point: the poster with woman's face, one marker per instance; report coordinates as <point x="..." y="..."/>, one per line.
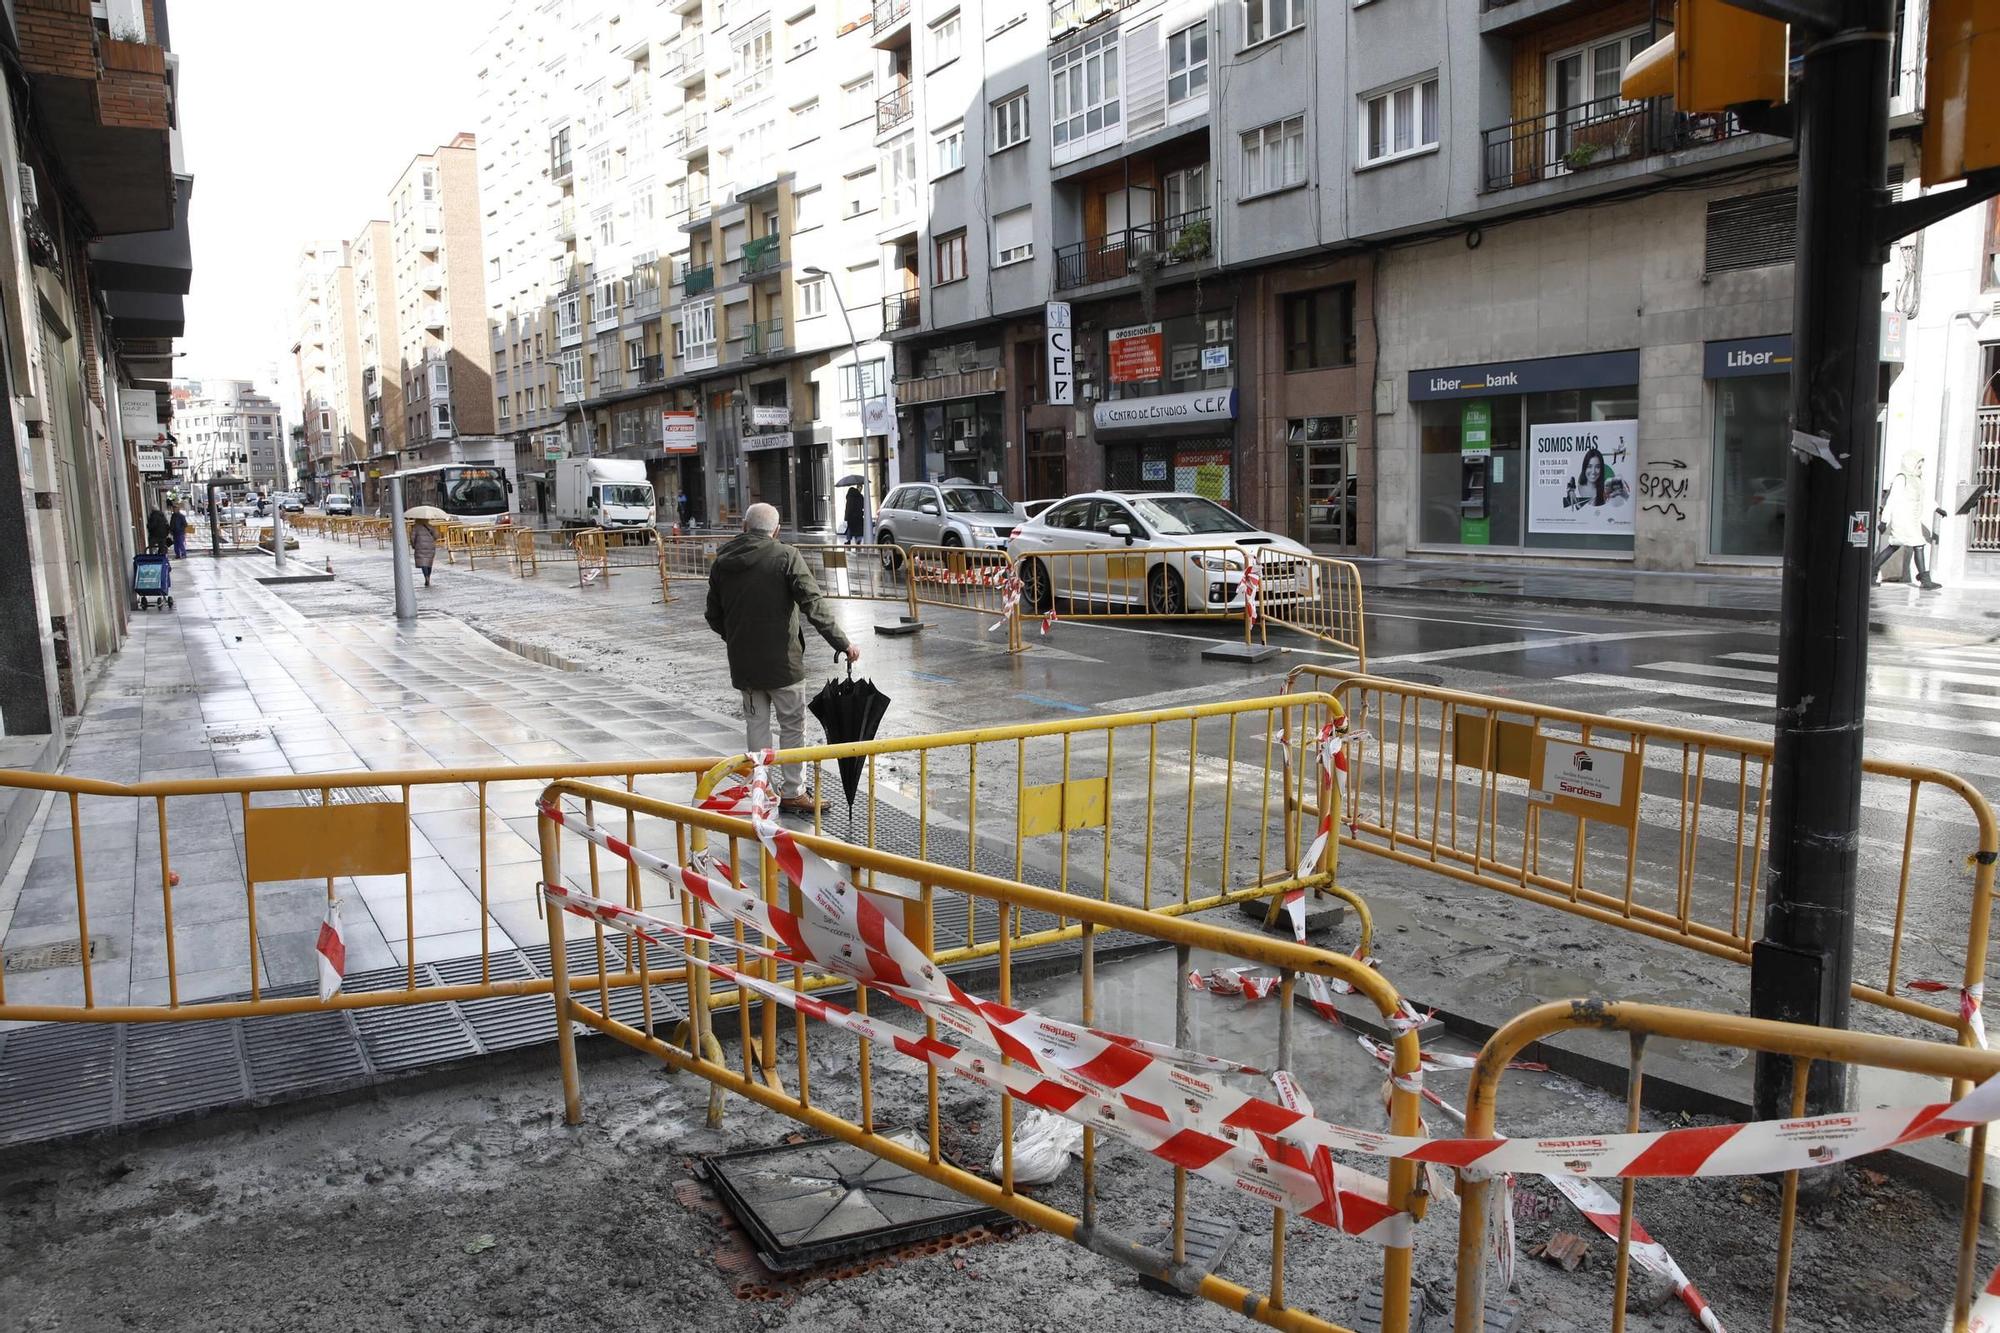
<point x="1580" y="476"/>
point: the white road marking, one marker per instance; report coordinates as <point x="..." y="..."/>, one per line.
<point x="1529" y="645"/>
<point x="1713" y="672"/>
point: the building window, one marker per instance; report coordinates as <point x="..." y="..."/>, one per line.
<point x="695" y="335"/>
<point x="899" y="176"/>
<point x="1319" y="328"/>
<point x="1184" y="191"/>
<point x="441" y="418"/>
<point x="856" y="380"/>
<point x="570" y="364"/>
<point x="569" y="313"/>
<point x="1014" y="236"/>
<point x="1010" y="121"/>
<point x="1751" y="445"/>
<point x="1084" y="88"/>
<point x="805" y="210"/>
<point x="804" y="116"/>
<point x="862" y="194"/>
<point x="949" y="252"/>
<point x="1274" y="157"/>
<point x="1399" y="122"/>
<point x="944" y="39"/>
<point x="812" y="297"/>
<point x="1989" y="268"/>
<point x="857" y="100"/>
<point x="799" y="34"/>
<point x="753" y="63"/>
<point x="1187" y="63"/>
<point x="606" y="227"/>
<point x="635" y="354"/>
<point x="1271" y="18"/>
<point x="950" y="149"/>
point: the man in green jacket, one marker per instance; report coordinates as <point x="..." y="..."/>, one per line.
<point x="756" y="590"/>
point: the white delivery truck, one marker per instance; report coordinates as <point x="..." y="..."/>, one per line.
<point x="603" y="493"/>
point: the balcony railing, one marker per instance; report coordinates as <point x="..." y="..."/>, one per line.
<point x="1588" y="135"/>
<point x="1069" y="15"/>
<point x="1180" y="239"/>
<point x="697" y="131"/>
<point x="765" y="338"/>
<point x="901" y="311"/>
<point x="893" y="109"/>
<point x="760" y="256"/>
<point x="698" y="280"/>
<point x="888" y="13"/>
<point x="652" y="369"/>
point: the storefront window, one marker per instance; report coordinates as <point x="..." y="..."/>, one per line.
<point x="1196" y="466"/>
<point x="1747" y="514"/>
<point x="1180" y="355"/>
<point x="1501" y="472"/>
<point x="962" y="439"/>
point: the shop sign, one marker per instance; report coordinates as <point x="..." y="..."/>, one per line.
<point x="1215" y="358"/>
<point x="1171" y="409"/>
<point x="771" y="416"/>
<point x="678" y="433"/>
<point x="551" y="452"/>
<point x="1061" y="354"/>
<point x="1206" y="474"/>
<point x="1576" y="476"/>
<point x="1732" y="358"/>
<point x="755" y="443"/>
<point x="139" y="415"/>
<point x="152" y="462"/>
<point x="878" y="416"/>
<point x="1153" y="469"/>
<point x="1894" y="325"/>
<point x="1588" y="781"/>
<point x="1595" y="370"/>
<point x="1136" y="353"/>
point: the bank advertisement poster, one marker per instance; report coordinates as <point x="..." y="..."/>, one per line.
<point x="1579" y="476"/>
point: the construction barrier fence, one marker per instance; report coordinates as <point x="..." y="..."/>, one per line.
<point x="1659" y="830"/>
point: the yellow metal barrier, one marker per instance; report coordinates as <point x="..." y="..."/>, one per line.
<point x="1312" y="595"/>
<point x="1803" y="1044"/>
<point x="1208" y="812"/>
<point x="961" y="579"/>
<point x="907" y="891"/>
<point x="1658" y="830"/>
<point x="304" y="838"/>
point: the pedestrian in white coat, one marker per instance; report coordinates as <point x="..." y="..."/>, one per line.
<point x="1906" y="520"/>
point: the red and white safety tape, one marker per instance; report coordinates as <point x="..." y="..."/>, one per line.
<point x="1971" y="1002"/>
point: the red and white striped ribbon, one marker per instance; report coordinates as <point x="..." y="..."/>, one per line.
<point x="1971" y="1003"/>
<point x="1253" y="584"/>
<point x="330" y="952"/>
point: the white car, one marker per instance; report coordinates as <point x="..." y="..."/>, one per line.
<point x="1157" y="526"/>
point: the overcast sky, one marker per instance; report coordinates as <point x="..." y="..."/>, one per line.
<point x="296" y="119"/>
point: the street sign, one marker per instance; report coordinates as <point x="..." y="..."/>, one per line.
<point x="152" y="462"/>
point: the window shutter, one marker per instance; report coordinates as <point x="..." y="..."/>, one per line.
<point x="1752" y="230"/>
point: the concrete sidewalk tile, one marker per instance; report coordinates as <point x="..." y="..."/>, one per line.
<point x="199" y="860"/>
<point x="209" y="984"/>
<point x="108" y="907"/>
<point x="457" y="944"/>
<point x="430" y="913"/>
<point x="427" y="875"/>
<point x="514" y="883"/>
<point x="198" y="947"/>
<point x="433" y="797"/>
<point x="457" y="824"/>
<point x="207" y="902"/>
<point x="528" y="928"/>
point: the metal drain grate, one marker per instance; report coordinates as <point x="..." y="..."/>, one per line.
<point x="63" y="953"/>
<point x="155" y="691"/>
<point x="238" y="736"/>
<point x="348" y="796"/>
<point x="806" y="1203"/>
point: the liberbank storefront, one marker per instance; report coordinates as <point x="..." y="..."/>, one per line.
<point x="1530" y="457"/>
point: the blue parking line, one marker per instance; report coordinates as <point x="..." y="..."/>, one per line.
<point x="1063" y="704"/>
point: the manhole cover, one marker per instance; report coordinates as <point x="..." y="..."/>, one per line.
<point x="63" y="953"/>
<point x="807" y="1203"/>
<point x="239" y="736"/>
<point x="348" y="796"/>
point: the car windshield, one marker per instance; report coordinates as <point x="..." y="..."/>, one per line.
<point x="1181" y="515"/>
<point x="628" y="495"/>
<point x="475" y="491"/>
<point x="976" y="500"/>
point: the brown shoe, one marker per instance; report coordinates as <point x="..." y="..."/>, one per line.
<point x="800" y="805"/>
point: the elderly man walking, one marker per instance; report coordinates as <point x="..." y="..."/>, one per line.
<point x="757" y="590"/>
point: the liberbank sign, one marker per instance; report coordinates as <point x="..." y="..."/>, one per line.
<point x="1594" y="370"/>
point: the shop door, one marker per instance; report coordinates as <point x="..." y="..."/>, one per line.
<point x="1047" y="477"/>
<point x="767" y="481"/>
<point x="1323" y="495"/>
<point x="812" y="483"/>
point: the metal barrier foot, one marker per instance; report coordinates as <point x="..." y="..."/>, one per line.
<point x="1321" y="917"/>
<point x="1207" y="1240"/>
<point x="904" y="625"/>
<point x="1431" y="1313"/>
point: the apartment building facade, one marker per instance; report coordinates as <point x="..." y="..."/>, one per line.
<point x="1401" y="278"/>
<point x="436" y="255"/>
<point x="324" y="298"/>
<point x="227" y="428"/>
<point x="92" y="285"/>
<point x="685" y="249"/>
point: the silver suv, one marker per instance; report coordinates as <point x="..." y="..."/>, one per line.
<point x="951" y="513"/>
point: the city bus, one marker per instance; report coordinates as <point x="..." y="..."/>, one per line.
<point x="468" y="492"/>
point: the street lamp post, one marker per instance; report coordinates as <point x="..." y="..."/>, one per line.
<point x="860" y="386"/>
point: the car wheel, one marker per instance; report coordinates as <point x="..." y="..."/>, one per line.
<point x="1037" y="594"/>
<point x="951" y="538"/>
<point x="1164" y="596"/>
<point x="892" y="554"/>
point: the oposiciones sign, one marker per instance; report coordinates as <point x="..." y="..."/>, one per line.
<point x="1166" y="410"/>
<point x="1579" y="477"/>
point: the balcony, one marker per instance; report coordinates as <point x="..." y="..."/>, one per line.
<point x="431" y="278"/>
<point x="761" y="257"/>
<point x="890" y="15"/>
<point x="1591" y="135"/>
<point x="566" y="223"/>
<point x="686" y="61"/>
<point x="697" y="133"/>
<point x="1066" y="16"/>
<point x="433" y="315"/>
<point x="1181" y="239"/>
<point x="901" y="311"/>
<point x="609" y="380"/>
<point x="765" y="339"/>
<point x="893" y="109"/>
<point x="561" y="168"/>
<point x="102" y="106"/>
<point x="652" y="369"/>
<point x="698" y="280"/>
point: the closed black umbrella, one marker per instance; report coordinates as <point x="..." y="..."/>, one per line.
<point x="849" y="710"/>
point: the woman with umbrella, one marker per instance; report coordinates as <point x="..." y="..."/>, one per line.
<point x="423" y="538"/>
<point x="856" y="519"/>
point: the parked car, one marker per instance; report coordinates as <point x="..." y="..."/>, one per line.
<point x="337" y="504"/>
<point x="291" y="502"/>
<point x="1158" y="525"/>
<point x="950" y="513"/>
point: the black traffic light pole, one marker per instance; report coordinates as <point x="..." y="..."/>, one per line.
<point x="1801" y="969"/>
